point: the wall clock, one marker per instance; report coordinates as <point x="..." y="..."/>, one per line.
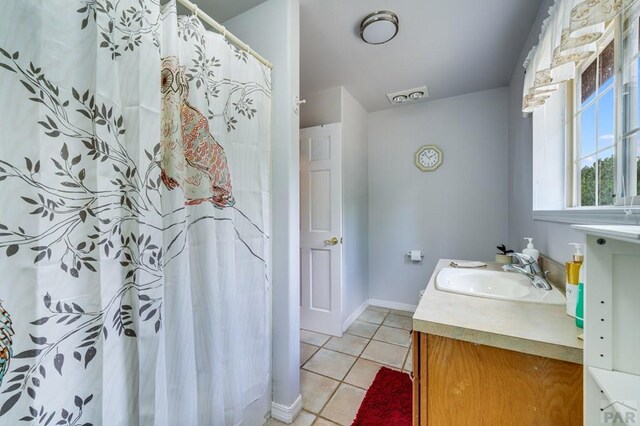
<point x="428" y="158"/>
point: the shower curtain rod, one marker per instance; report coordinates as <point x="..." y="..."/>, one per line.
<point x="222" y="30"/>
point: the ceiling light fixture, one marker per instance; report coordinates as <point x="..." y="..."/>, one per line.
<point x="379" y="27"/>
<point x="416" y="94"/>
<point x="400" y="99"/>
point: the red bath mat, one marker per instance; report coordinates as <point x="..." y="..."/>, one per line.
<point x="388" y="401"/>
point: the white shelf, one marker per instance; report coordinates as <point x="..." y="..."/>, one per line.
<point x="629" y="233"/>
<point x="617" y="386"/>
<point x="612" y="335"/>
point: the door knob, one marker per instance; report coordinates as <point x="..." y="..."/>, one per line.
<point x="331" y="242"/>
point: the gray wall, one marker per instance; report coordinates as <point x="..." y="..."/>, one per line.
<point x="272" y="29"/>
<point x="550" y="238"/>
<point x="323" y="107"/>
<point x="355" y="205"/>
<point x="458" y="211"/>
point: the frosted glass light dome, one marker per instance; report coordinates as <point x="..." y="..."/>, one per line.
<point x="379" y="27"/>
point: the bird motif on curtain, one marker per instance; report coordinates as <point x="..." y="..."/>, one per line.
<point x="191" y="157"/>
<point x="6" y="334"/>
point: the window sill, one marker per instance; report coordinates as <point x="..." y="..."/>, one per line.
<point x="590" y="216"/>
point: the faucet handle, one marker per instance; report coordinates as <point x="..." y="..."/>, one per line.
<point x="529" y="263"/>
<point x="524" y="259"/>
<point x="515" y="268"/>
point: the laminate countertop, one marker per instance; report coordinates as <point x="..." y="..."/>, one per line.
<point x="533" y="328"/>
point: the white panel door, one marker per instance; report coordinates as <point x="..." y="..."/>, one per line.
<point x="321" y="229"/>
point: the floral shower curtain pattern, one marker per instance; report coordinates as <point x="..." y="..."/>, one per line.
<point x="133" y="248"/>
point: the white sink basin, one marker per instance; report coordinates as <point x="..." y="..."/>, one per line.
<point x="495" y="285"/>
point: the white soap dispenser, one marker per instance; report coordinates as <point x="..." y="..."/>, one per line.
<point x="531" y="250"/>
<point x="578" y="256"/>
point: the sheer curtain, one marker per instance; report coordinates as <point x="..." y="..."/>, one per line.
<point x="568" y="36"/>
<point x="133" y="229"/>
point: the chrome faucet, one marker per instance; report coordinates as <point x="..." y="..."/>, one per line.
<point x="528" y="266"/>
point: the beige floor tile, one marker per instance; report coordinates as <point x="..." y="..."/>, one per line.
<point x="402" y="313"/>
<point x="316" y="390"/>
<point x="324" y="422"/>
<point x="348" y="344"/>
<point x="377" y="308"/>
<point x="385" y="353"/>
<point x="344" y="404"/>
<point x="306" y="352"/>
<point x="330" y="363"/>
<point x="375" y="317"/>
<point x="399" y="321"/>
<point x="313" y="338"/>
<point x="362" y="373"/>
<point x="303" y="419"/>
<point x="396" y="336"/>
<point x="408" y="364"/>
<point x="362" y="329"/>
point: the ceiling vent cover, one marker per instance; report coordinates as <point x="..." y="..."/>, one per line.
<point x="409" y="95"/>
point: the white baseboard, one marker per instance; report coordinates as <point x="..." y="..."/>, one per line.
<point x="354" y="316"/>
<point x="286" y="414"/>
<point x="375" y="302"/>
<point x="393" y="305"/>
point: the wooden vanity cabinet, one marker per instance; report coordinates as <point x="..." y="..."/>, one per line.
<point x="461" y="383"/>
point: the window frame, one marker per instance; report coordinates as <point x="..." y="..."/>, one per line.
<point x="628" y="161"/>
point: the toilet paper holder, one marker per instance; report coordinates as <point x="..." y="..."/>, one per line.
<point x="408" y="254"/>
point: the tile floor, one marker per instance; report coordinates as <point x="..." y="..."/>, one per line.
<point x="335" y="372"/>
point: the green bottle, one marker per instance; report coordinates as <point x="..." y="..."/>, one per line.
<point x="580" y="306"/>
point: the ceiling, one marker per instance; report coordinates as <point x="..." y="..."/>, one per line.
<point x="222" y="10"/>
<point x="453" y="47"/>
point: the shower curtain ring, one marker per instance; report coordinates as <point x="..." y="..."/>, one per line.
<point x="195" y="10"/>
<point x="224" y="32"/>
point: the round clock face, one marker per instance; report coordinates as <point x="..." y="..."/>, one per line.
<point x="428" y="158"/>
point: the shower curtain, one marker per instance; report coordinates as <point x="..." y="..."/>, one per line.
<point x="134" y="252"/>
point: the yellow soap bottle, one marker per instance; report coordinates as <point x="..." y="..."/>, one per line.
<point x="573" y="279"/>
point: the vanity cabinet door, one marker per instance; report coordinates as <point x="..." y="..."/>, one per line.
<point x="462" y="383"/>
<point x="419" y="374"/>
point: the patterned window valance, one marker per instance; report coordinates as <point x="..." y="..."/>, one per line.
<point x="568" y="35"/>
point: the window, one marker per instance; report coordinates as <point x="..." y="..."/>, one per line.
<point x="586" y="132"/>
<point x="630" y="145"/>
<point x="606" y="120"/>
<point x="594" y="138"/>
